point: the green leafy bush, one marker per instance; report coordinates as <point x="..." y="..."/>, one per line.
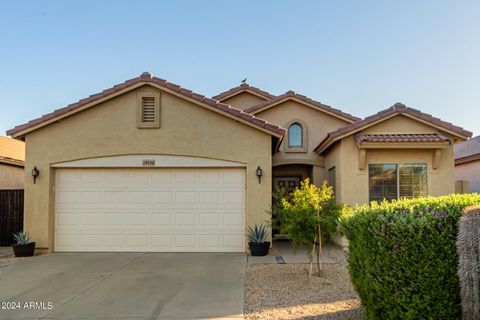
<point x="403" y="259"/>
<point x="308" y="216"/>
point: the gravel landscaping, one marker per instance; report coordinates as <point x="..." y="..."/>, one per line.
<point x="285" y="291"/>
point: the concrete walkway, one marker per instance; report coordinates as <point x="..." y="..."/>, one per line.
<point x="282" y="252"/>
<point x="6" y="251"/>
<point x="125" y="286"/>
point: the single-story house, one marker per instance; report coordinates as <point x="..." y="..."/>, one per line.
<point x="467" y="165"/>
<point x="12" y="161"/>
<point x="150" y="166"/>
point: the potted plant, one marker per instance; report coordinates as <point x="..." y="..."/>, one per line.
<point x="23" y="247"/>
<point x="257" y="237"/>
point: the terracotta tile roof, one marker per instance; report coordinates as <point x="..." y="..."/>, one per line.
<point x="398" y="108"/>
<point x="292" y="95"/>
<point x="241" y="88"/>
<point x="149" y="78"/>
<point x="12" y="150"/>
<point x="467" y="159"/>
<point x="400" y="138"/>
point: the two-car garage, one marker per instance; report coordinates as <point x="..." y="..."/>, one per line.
<point x="150" y="209"/>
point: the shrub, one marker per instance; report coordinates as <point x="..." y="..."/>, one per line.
<point x="468" y="248"/>
<point x="403" y="259"/>
<point x="309" y="216"/>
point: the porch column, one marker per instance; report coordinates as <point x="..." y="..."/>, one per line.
<point x="318" y="175"/>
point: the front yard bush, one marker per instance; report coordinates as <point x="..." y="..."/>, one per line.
<point x="403" y="259"/>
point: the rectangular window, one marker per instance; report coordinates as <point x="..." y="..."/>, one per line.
<point x="413" y="180"/>
<point x="393" y="181"/>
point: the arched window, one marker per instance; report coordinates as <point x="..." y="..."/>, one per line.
<point x="295" y="135"/>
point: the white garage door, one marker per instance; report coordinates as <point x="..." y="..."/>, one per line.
<point x="177" y="210"/>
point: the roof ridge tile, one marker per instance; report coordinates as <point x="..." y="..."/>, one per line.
<point x="243" y="87"/>
<point x="305" y="99"/>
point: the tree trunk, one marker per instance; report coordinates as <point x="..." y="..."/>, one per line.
<point x="311" y="257"/>
<point x="319" y="245"/>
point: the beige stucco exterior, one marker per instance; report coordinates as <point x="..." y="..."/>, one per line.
<point x="244" y="100"/>
<point x="110" y="129"/>
<point x="11" y="176"/>
<point x="470" y="172"/>
<point x="315" y="123"/>
<point x="352" y="182"/>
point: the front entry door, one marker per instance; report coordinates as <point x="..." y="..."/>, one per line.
<point x="287" y="183"/>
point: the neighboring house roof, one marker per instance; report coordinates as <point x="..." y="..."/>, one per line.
<point x="244" y="87"/>
<point x="291" y="95"/>
<point x="383" y="115"/>
<point x="12" y="151"/>
<point x="467" y="151"/>
<point x="147" y="78"/>
<point x="467" y="159"/>
<point x="402" y="138"/>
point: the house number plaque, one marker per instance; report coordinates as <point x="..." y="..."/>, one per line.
<point x="149" y="163"/>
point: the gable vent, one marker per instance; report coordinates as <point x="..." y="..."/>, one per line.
<point x="148" y="109"/>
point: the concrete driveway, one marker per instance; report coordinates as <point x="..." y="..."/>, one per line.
<point x="124" y="286"/>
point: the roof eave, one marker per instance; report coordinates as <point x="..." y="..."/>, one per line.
<point x="467" y="159"/>
<point x="129" y="85"/>
<point x="12" y="162"/>
<point x="281" y="99"/>
<point x="234" y="94"/>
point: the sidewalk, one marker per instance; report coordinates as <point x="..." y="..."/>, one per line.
<point x="5" y="252"/>
<point x="283" y="253"/>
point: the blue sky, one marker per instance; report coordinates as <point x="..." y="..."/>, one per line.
<point x="359" y="56"/>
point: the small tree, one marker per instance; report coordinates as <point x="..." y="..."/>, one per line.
<point x="310" y="214"/>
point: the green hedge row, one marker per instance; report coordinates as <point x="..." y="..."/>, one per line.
<point x="403" y="259"/>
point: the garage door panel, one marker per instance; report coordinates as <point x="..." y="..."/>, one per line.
<point x="165" y="197"/>
<point x="184" y="219"/>
<point x="113" y="240"/>
<point x="233" y="197"/>
<point x="162" y="219"/>
<point x="210" y="219"/>
<point x="185" y="197"/>
<point x="114" y="197"/>
<point x="233" y="240"/>
<point x="150" y="210"/>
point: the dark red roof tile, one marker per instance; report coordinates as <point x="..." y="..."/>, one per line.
<point x="305" y="99"/>
<point x="148" y="78"/>
<point x="401" y="138"/>
<point x="241" y="88"/>
<point x="397" y="108"/>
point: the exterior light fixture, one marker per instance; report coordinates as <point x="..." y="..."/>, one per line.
<point x="259" y="174"/>
<point x="35" y="174"/>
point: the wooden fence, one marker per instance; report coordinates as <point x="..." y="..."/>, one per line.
<point x="11" y="215"/>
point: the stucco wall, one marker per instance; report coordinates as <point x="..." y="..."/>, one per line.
<point x="352" y="183"/>
<point x="333" y="159"/>
<point x="110" y="129"/>
<point x="11" y="177"/>
<point x="317" y="124"/>
<point x="243" y="100"/>
<point x="471" y="172"/>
